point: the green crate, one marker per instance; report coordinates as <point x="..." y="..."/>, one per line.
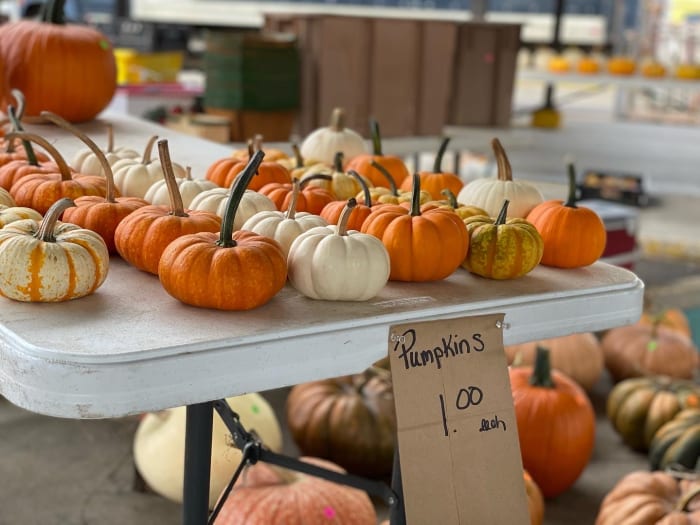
<point x="251" y="70"/>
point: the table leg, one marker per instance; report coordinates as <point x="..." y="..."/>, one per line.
<point x="398" y="513"/>
<point x="198" y="430"/>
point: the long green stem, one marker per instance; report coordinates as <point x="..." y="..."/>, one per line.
<point x="53" y="12"/>
<point x="542" y="371"/>
<point x="503" y="214"/>
<point x="338" y="162"/>
<point x="437" y="166"/>
<point x="376" y="137"/>
<point x="237" y="192"/>
<point x="365" y="189"/>
<point x="60" y="162"/>
<point x="571" y="199"/>
<point x="385" y="173"/>
<point x="415" y="197"/>
<point x="17" y="126"/>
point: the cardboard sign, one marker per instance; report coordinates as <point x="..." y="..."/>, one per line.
<point x="457" y="433"/>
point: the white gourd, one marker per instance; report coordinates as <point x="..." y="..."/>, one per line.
<point x="133" y="177"/>
<point x="215" y="200"/>
<point x="334" y="264"/>
<point x="85" y="161"/>
<point x="159" y="445"/>
<point x="489" y="193"/>
<point x="10" y="214"/>
<point x="323" y="143"/>
<point x="284" y="226"/>
<point x="189" y="189"/>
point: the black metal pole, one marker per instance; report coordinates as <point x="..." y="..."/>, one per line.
<point x="198" y="430"/>
<point x="397" y="515"/>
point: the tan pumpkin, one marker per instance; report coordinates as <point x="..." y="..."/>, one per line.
<point x="489" y="193"/>
<point x="638" y="350"/>
<point x="579" y="356"/>
<point x="215" y="201"/>
<point x="49" y="261"/>
<point x="349" y="420"/>
<point x="159" y="445"/>
<point x="654" y="498"/>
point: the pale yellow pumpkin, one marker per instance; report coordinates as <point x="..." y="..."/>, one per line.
<point x="323" y="143"/>
<point x="215" y="201"/>
<point x="159" y="445"/>
<point x="49" y="261"/>
<point x="10" y="214"/>
<point x="5" y="198"/>
<point x="189" y="189"/>
<point x="343" y="185"/>
<point x="489" y="193"/>
<point x="334" y="264"/>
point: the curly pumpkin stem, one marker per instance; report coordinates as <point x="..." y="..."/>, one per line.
<point x="176" y="207"/>
<point x="376" y="137"/>
<point x="684" y="501"/>
<point x="505" y="172"/>
<point x="503" y="214"/>
<point x="314" y="176"/>
<point x="338" y="161"/>
<point x="47" y="226"/>
<point x="337" y="119"/>
<point x="437" y="166"/>
<point x="239" y="187"/>
<point x="17" y="126"/>
<point x="292" y="209"/>
<point x="53" y="12"/>
<point x="415" y="196"/>
<point x="148" y="150"/>
<point x="345" y="217"/>
<point x="60" y="162"/>
<point x="64" y="124"/>
<point x="385" y="173"/>
<point x="451" y="198"/>
<point x="571" y="199"/>
<point x="542" y="370"/>
<point x="365" y="189"/>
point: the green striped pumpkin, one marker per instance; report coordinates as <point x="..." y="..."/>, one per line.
<point x="677" y="443"/>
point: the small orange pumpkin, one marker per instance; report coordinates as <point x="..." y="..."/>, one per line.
<point x="423" y="245"/>
<point x="223" y="172"/>
<point x="573" y="236"/>
<point x="333" y="210"/>
<point x="434" y="182"/>
<point x="311" y="199"/>
<point x="227" y="271"/>
<point x="621" y="65"/>
<point x="588" y="65"/>
<point x="362" y="164"/>
<point x="142" y="236"/>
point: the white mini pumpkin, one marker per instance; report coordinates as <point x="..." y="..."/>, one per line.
<point x="85" y="161"/>
<point x="323" y="143"/>
<point x="5" y="198"/>
<point x="189" y="189"/>
<point x="133" y="177"/>
<point x="284" y="226"/>
<point x="334" y="264"/>
<point x="159" y="445"/>
<point x="215" y="201"/>
<point x="10" y="214"/>
<point x="489" y="193"/>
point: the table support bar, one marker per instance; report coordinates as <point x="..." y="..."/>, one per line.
<point x="198" y="432"/>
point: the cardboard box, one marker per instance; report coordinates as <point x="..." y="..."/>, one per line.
<point x="397" y="71"/>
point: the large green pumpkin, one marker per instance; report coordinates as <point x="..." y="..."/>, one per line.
<point x="677" y="443"/>
<point x="638" y="407"/>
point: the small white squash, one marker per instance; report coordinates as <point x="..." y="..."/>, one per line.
<point x="323" y="143"/>
<point x="334" y="264"/>
<point x="189" y="189"/>
<point x="343" y="185"/>
<point x="159" y="445"/>
<point x="5" y="198"/>
<point x="133" y="177"/>
<point x="85" y="161"/>
<point x="284" y="226"/>
<point x="10" y="214"/>
<point x="216" y="199"/>
<point x="489" y="193"/>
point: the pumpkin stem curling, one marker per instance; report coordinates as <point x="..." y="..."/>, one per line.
<point x="503" y="214"/>
<point x="684" y="501"/>
<point x="315" y="176"/>
<point x="505" y="172"/>
<point x="176" y="206"/>
<point x="437" y="166"/>
<point x="239" y="187"/>
<point x="542" y="370"/>
<point x="385" y="173"/>
<point x="106" y="168"/>
<point x="365" y="189"/>
<point x="376" y="137"/>
<point x="338" y="161"/>
<point x="292" y="208"/>
<point x="451" y="198"/>
<point x="345" y="216"/>
<point x="337" y="119"/>
<point x="17" y="126"/>
<point x="21" y="102"/>
<point x="571" y="199"/>
<point x="147" y="151"/>
<point x="415" y="197"/>
<point x="60" y="162"/>
<point x="47" y="225"/>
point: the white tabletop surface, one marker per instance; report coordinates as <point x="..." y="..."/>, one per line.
<point x="130" y="347"/>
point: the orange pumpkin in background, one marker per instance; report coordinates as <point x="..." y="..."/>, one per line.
<point x="66" y="68"/>
<point x="224" y="172"/>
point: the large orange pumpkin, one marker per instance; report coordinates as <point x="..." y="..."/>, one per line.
<point x="434" y="182"/>
<point x="362" y="163"/>
<point x="556" y="424"/>
<point x="266" y="495"/>
<point x="573" y="235"/>
<point x="423" y="245"/>
<point x="65" y="68"/>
